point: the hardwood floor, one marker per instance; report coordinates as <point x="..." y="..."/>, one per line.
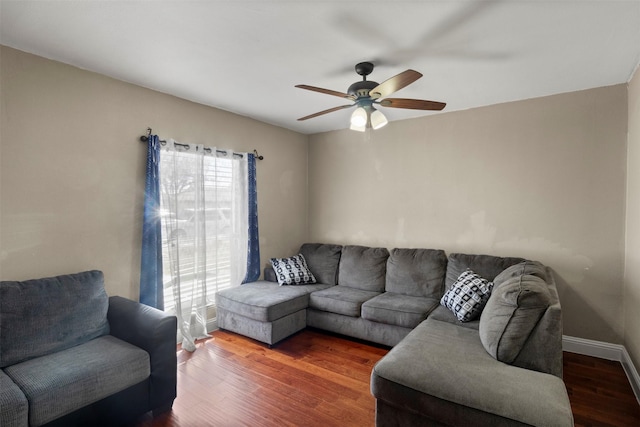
<point x="599" y="392"/>
<point x="319" y="379"/>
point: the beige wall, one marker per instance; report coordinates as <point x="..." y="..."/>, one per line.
<point x="632" y="266"/>
<point x="542" y="179"/>
<point x="72" y="170"/>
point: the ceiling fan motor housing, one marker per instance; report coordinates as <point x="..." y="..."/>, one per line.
<point x="361" y="89"/>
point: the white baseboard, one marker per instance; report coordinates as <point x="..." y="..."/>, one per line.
<point x="599" y="349"/>
<point x="632" y="373"/>
<point x="606" y="351"/>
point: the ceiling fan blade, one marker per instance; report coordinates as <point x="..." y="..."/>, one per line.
<point x="326" y="91"/>
<point x="413" y="104"/>
<point x="394" y="84"/>
<point x="330" y="110"/>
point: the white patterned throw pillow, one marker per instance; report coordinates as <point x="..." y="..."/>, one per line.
<point x="467" y="296"/>
<point x="292" y="271"/>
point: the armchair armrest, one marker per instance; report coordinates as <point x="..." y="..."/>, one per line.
<point x="155" y="332"/>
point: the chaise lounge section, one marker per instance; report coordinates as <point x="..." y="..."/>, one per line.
<point x="269" y="313"/>
<point x="503" y="367"/>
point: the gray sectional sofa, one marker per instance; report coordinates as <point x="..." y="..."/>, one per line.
<point x="502" y="368"/>
<point x="70" y="355"/>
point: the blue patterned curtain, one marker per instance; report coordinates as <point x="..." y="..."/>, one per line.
<point x="151" y="291"/>
<point x="253" y="257"/>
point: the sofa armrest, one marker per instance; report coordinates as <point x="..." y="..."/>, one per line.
<point x="155" y="332"/>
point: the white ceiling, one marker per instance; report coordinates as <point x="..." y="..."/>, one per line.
<point x="246" y="56"/>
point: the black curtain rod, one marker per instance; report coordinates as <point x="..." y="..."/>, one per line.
<point x="145" y="138"/>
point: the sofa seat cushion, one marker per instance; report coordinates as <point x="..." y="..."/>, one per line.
<point x="14" y="407"/>
<point x="398" y="309"/>
<point x="60" y="383"/>
<point x="416" y="272"/>
<point x="43" y="316"/>
<point x="341" y="300"/>
<point x="443" y="314"/>
<point x="444" y="372"/>
<point x="266" y="301"/>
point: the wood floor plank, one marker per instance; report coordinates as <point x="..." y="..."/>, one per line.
<point x="599" y="392"/>
<point x="319" y="379"/>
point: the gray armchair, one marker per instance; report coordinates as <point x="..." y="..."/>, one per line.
<point x="70" y="355"/>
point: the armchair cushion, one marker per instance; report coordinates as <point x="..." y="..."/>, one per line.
<point x="60" y="383"/>
<point x="42" y="316"/>
<point x="14" y="406"/>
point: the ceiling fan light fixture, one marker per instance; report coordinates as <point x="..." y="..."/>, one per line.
<point x="359" y="118"/>
<point x="378" y="119"/>
<point x="358" y="128"/>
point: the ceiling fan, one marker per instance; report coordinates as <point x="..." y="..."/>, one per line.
<point x="368" y="93"/>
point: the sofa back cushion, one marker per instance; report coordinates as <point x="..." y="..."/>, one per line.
<point x="42" y="316"/>
<point x="363" y="268"/>
<point x="511" y="314"/>
<point x="416" y="272"/>
<point x="322" y="259"/>
<point x="533" y="268"/>
<point x="486" y="266"/>
<point x="543" y="349"/>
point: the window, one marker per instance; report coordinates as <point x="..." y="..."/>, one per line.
<point x="202" y="223"/>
